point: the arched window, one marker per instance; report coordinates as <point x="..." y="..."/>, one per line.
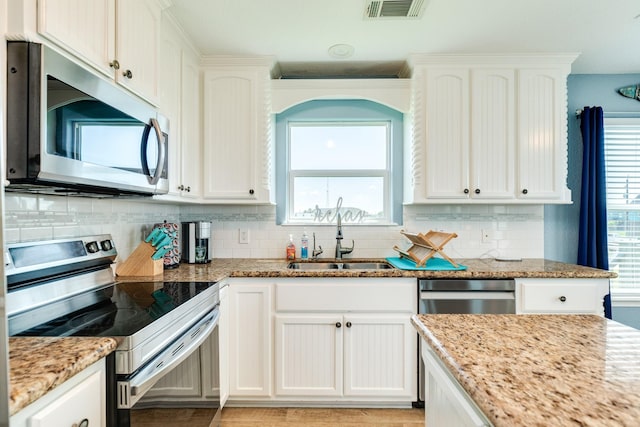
<point x="339" y="156"/>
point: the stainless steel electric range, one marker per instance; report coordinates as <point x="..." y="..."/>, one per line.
<point x="67" y="287"/>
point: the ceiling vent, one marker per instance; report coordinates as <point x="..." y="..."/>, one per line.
<point x="379" y="9"/>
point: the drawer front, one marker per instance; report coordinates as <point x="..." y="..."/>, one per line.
<point x="560" y="298"/>
<point x="342" y="294"/>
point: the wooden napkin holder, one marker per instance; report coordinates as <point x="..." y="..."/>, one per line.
<point x="140" y="263"/>
<point x="426" y="246"/>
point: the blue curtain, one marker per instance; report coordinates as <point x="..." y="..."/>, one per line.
<point x="592" y="244"/>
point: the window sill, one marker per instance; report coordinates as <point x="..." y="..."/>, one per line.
<point x="625" y="299"/>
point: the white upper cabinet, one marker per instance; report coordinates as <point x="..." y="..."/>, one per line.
<point x="488" y="129"/>
<point x="238" y="142"/>
<point x="119" y="38"/>
<point x="542" y="135"/>
<point x="180" y="101"/>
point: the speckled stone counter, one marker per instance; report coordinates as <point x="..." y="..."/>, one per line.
<point x="38" y="365"/>
<point x="486" y="268"/>
<point x="539" y="370"/>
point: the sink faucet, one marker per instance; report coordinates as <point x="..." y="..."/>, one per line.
<point x="339" y="249"/>
<point x="314" y="252"/>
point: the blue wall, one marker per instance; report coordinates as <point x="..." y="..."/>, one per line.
<point x="561" y="221"/>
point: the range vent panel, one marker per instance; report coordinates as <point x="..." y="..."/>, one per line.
<point x="394" y="9"/>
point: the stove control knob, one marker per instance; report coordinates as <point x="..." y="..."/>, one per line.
<point x="92" y="247"/>
<point x="106" y="245"/>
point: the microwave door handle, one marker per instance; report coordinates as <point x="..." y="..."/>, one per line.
<point x="162" y="154"/>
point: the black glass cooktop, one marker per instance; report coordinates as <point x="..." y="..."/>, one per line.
<point x="118" y="310"/>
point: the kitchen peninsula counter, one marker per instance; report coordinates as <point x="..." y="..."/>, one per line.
<point x="542" y="370"/>
<point x="38" y="365"/>
<point x="477" y="268"/>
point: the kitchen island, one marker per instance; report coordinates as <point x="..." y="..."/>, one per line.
<point x="536" y="370"/>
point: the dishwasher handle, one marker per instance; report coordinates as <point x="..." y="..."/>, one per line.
<point x="471" y="295"/>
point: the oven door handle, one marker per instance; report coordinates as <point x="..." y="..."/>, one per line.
<point x="132" y="389"/>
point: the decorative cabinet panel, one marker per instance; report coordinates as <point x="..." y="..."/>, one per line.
<point x="119" y="38"/>
<point x="237" y="135"/>
<point x="250" y="339"/>
<point x="488" y="130"/>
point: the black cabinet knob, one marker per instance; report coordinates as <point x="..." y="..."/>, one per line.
<point x="348" y="324"/>
<point x="466" y="191"/>
<point x="562" y="298"/>
<point x="338" y="325"/>
<point x="525" y="191"/>
<point x="251" y="191"/>
<point x="128" y="74"/>
<point x="477" y="191"/>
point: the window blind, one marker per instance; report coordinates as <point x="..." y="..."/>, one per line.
<point x="622" y="158"/>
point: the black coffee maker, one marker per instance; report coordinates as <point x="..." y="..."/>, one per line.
<point x="196" y="242"/>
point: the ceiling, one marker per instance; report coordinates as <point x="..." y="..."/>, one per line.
<point x="298" y="33"/>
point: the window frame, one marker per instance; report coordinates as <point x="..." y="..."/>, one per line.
<point x="339" y="111"/>
<point x="620" y="293"/>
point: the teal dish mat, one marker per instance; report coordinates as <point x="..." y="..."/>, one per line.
<point x="433" y="264"/>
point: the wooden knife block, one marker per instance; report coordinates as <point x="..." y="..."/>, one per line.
<point x="140" y="263"/>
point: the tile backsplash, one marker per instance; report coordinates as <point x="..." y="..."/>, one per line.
<point x="483" y="230"/>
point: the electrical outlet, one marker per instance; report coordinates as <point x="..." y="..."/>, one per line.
<point x="488" y="236"/>
<point x="243" y="236"/>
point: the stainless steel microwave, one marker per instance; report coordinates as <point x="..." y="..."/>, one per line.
<point x="72" y="131"/>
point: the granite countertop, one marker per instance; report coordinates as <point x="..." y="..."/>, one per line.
<point x="485" y="268"/>
<point x="541" y="370"/>
<point x="38" y="365"/>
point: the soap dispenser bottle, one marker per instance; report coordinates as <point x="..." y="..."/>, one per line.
<point x="291" y="249"/>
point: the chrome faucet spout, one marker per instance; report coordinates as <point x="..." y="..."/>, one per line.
<point x="339" y="249"/>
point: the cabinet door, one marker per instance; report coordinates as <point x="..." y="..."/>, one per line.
<point x="191" y="143"/>
<point x="309" y="355"/>
<point x="137" y="46"/>
<point x="230" y="119"/>
<point x="84" y="28"/>
<point x="447" y="133"/>
<point x="170" y="75"/>
<point x="250" y="340"/>
<point x="542" y="134"/>
<point x="380" y="356"/>
<point x="492" y="133"/>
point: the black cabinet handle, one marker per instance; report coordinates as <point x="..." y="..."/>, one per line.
<point x="348" y="324"/>
<point x="525" y="191"/>
<point x="128" y="74"/>
<point x="477" y="191"/>
<point x="562" y="298"/>
<point x="251" y="191"/>
<point x="466" y="191"/>
<point x="338" y="325"/>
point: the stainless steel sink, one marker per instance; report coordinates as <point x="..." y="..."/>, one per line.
<point x="313" y="266"/>
<point x="339" y="266"/>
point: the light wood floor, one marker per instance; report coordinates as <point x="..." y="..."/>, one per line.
<point x="281" y="417"/>
<point x="321" y="417"/>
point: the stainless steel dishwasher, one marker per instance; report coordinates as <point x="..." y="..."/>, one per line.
<point x="463" y="296"/>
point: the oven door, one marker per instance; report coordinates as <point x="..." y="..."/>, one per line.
<point x="179" y="386"/>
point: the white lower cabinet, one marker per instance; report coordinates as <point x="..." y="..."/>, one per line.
<point x="82" y="397"/>
<point x="446" y="402"/>
<point x="315" y="340"/>
<point x="561" y="296"/>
